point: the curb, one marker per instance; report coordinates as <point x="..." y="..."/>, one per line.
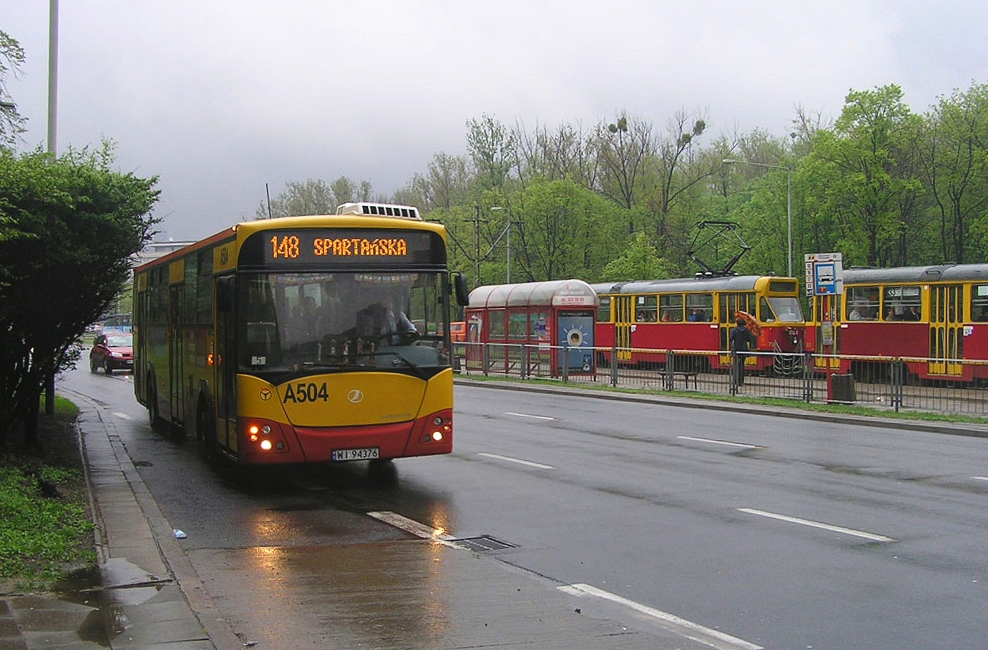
<point x="958" y="429"/>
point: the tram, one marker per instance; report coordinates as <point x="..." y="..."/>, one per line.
<point x="934" y="317"/>
<point x="697" y="314"/>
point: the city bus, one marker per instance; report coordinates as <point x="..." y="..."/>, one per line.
<point x="697" y="314"/>
<point x="267" y="341"/>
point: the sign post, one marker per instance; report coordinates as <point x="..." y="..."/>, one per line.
<point x="825" y="279"/>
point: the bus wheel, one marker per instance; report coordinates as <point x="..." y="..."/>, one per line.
<point x="154" y="420"/>
<point x="381" y="471"/>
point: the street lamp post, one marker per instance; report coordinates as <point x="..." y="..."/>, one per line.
<point x="788" y="170"/>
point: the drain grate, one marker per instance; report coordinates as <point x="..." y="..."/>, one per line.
<point x="483" y="544"/>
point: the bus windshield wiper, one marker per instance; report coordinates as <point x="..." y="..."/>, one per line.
<point x="408" y="364"/>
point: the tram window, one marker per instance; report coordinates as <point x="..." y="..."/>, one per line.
<point x="516" y="325"/>
<point x="862" y="303"/>
<point x="700" y="307"/>
<point x="979" y="303"/>
<point x="604" y="310"/>
<point x="765" y="314"/>
<point x="645" y="309"/>
<point x="671" y="308"/>
<point x="901" y="303"/>
<point x="496" y="331"/>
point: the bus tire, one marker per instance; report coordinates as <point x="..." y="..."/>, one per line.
<point x="154" y="419"/>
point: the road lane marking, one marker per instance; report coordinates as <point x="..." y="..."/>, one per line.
<point x="816" y="524"/>
<point x="122" y="416"/>
<point x="526" y="415"/>
<point x="980" y="478"/>
<point x="718" y="442"/>
<point x="414" y="527"/>
<point x="681" y="626"/>
<point x="516" y="460"/>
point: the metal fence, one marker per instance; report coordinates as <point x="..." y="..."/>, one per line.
<point x="878" y="382"/>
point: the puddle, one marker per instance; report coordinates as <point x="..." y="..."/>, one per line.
<point x="82" y="587"/>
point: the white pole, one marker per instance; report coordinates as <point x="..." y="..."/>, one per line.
<point x="52" y="73"/>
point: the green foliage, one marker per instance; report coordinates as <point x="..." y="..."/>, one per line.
<point x="44" y="527"/>
<point x="638" y="262"/>
<point x="71" y="226"/>
<point x="24" y="549"/>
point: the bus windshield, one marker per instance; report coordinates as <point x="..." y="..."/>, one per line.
<point x="324" y="321"/>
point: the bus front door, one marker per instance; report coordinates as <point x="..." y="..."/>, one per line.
<point x="946" y="330"/>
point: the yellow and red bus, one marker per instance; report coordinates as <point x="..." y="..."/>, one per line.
<point x="265" y="341"/>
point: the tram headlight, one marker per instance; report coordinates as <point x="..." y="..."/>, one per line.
<point x="266" y="445"/>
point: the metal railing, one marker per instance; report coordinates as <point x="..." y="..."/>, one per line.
<point x="878" y="382"/>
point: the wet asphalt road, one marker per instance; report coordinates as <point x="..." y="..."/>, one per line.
<point x="785" y="533"/>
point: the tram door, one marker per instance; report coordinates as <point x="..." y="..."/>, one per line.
<point x="727" y="304"/>
<point x="946" y="330"/>
<point x="623" y="318"/>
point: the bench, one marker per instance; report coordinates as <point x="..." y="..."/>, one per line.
<point x="686" y="376"/>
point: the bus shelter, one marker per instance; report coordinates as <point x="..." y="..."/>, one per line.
<point x="529" y="325"/>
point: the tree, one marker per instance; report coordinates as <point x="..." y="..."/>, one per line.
<point x="491" y="147"/>
<point x="860" y="174"/>
<point x="563" y="232"/>
<point x="11" y="59"/>
<point x="70" y="226"/>
<point x="314" y="197"/>
<point x="955" y="164"/>
<point x="639" y="261"/>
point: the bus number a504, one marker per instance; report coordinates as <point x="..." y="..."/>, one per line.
<point x="302" y="392"/>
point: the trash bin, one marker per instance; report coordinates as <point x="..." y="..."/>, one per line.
<point x="842" y="388"/>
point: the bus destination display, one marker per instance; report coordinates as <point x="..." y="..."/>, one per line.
<point x="317" y="247"/>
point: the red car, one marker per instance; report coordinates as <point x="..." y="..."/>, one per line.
<point x="112" y="351"/>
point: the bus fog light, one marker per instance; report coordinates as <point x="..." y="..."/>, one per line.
<point x="437" y="435"/>
<point x="266" y="445"/>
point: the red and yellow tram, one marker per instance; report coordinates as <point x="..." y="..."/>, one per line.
<point x="696" y="314"/>
<point x="935" y="317"/>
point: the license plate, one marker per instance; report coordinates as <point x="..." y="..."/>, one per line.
<point x="366" y="453"/>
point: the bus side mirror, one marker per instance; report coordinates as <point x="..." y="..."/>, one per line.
<point x="224" y="293"/>
<point x="462" y="292"/>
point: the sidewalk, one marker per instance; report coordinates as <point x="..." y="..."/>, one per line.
<point x="146" y="601"/>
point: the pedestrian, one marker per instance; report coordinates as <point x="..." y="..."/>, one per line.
<point x="740" y="345"/>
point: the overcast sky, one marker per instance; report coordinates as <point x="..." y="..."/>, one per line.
<point x="218" y="98"/>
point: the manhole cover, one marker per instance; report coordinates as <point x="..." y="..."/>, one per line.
<point x="483" y="544"/>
